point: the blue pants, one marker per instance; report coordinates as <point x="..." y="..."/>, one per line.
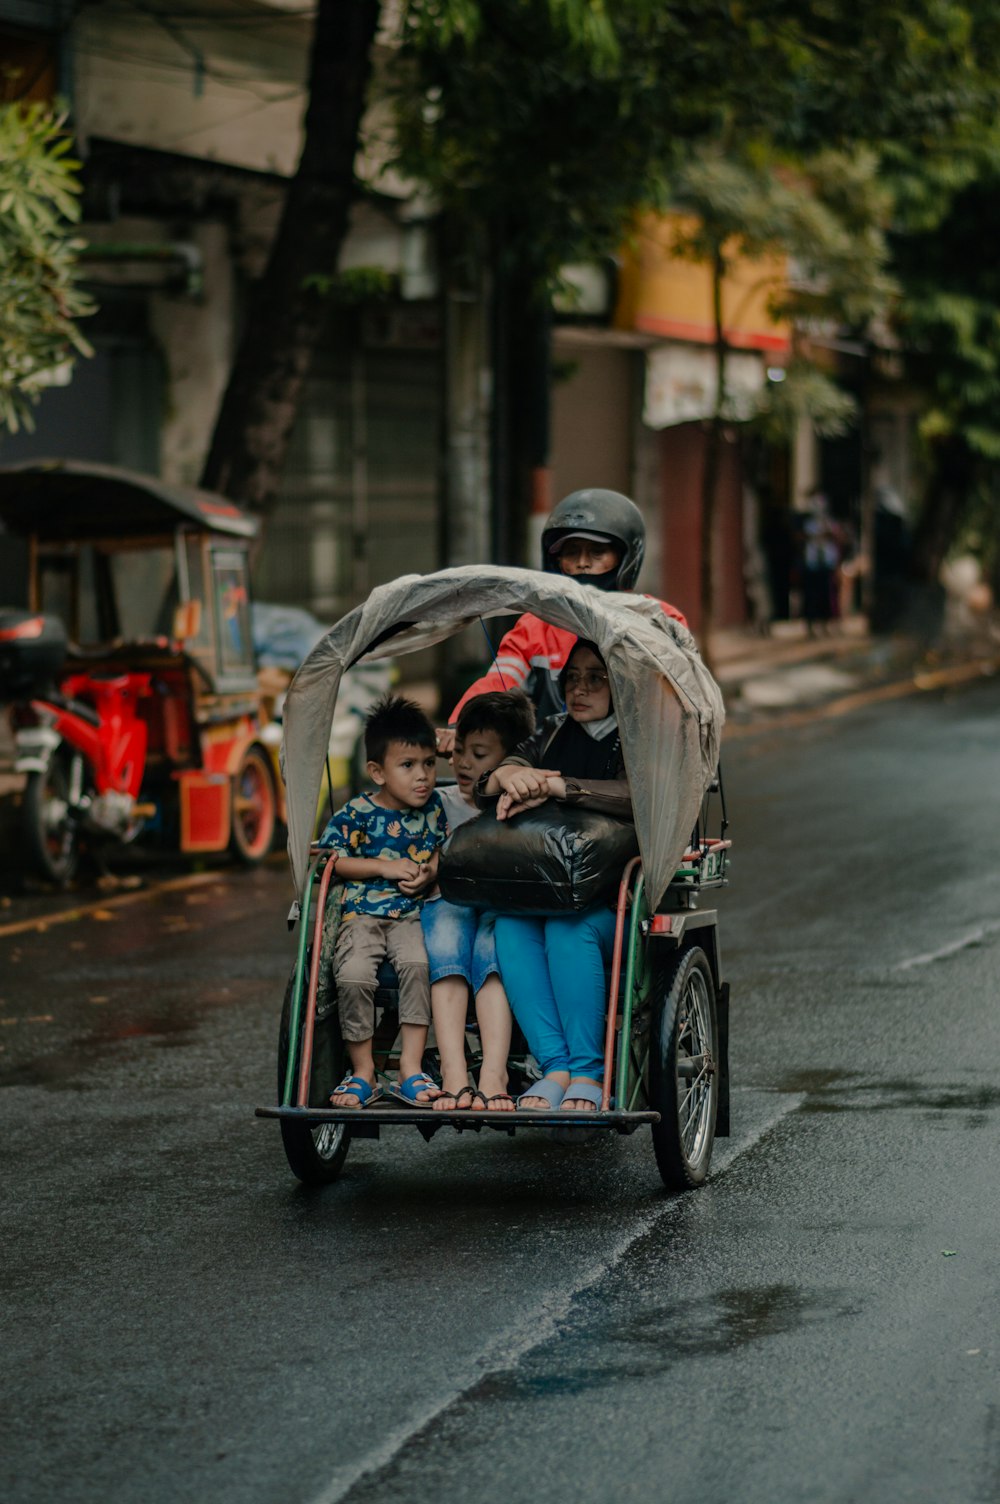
<point x="459" y="941"/>
<point x="554" y="973"/>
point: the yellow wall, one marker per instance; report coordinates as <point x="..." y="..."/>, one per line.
<point x="658" y="293"/>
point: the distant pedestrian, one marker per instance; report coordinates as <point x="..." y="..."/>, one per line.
<point x="821" y="547"/>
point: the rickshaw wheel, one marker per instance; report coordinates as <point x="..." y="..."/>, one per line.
<point x="315" y="1155"/>
<point x="51" y="832"/>
<point x="254" y="808"/>
<point x="683" y="1069"/>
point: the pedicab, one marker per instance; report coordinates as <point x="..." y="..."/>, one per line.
<point x="667" y="1022"/>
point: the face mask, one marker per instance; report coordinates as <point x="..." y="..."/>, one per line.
<point x="606" y="581"/>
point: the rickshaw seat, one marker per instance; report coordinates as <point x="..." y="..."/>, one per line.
<point x="386" y="985"/>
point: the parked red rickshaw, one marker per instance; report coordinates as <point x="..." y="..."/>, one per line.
<point x="130" y="674"/>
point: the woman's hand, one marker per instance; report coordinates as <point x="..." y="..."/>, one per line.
<point x="526" y="788"/>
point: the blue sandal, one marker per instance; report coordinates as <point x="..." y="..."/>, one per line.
<point x="548" y="1089"/>
<point x="406" y="1091"/>
<point x="583" y="1091"/>
<point x="356" y="1087"/>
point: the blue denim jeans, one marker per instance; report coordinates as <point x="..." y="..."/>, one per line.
<point x="459" y="942"/>
<point x="553" y="970"/>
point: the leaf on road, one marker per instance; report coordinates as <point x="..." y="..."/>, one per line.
<point x="948" y="1253"/>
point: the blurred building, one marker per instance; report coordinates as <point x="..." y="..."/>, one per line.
<point x="638" y="385"/>
<point x="189" y="123"/>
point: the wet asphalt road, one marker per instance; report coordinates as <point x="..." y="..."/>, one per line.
<point x="514" y="1319"/>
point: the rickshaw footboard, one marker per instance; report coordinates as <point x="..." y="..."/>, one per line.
<point x="365" y="1118"/>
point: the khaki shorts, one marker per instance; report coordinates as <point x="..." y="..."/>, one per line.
<point x="362" y="943"/>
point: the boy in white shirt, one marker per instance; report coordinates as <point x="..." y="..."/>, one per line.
<point x="461" y="951"/>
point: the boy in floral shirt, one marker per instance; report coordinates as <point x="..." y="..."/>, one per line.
<point x="386" y="846"/>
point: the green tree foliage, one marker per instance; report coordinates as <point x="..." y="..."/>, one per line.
<point x="510" y="112"/>
<point x="949" y="326"/>
<point x="781" y="123"/>
<point x="40" y="300"/>
<point x="542" y="126"/>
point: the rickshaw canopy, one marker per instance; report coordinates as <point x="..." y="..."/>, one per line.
<point x="65" y="500"/>
<point x="669" y="708"/>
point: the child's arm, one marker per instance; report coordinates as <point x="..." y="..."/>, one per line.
<point x="344" y="831"/>
<point x="366" y="869"/>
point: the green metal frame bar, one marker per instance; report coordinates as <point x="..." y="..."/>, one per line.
<point x="625" y="1090"/>
<point x="295" y="1012"/>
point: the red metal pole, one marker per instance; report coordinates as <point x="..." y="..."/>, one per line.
<point x="616" y="975"/>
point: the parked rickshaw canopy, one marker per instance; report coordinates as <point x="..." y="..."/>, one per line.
<point x="669" y="708"/>
<point x="61" y="500"/>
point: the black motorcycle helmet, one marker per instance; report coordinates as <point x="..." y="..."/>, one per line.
<point x="609" y="514"/>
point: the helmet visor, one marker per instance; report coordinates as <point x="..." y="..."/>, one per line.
<point x="556" y="546"/>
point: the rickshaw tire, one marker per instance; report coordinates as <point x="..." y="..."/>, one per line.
<point x="315" y="1155"/>
<point x="253" y="848"/>
<point x="38" y="857"/>
<point x="686" y="976"/>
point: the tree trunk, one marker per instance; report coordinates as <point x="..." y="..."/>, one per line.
<point x="284" y="317"/>
<point x="948" y="494"/>
<point x="713" y="460"/>
<point x="521" y="411"/>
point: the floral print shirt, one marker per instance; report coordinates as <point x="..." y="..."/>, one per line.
<point x="363" y="828"/>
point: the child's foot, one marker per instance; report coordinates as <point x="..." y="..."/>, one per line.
<point x="418" y="1088"/>
<point x="353" y="1091"/>
<point x="492" y="1094"/>
<point x="461" y="1099"/>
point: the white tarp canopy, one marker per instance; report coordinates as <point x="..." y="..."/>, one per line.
<point x="669" y="708"/>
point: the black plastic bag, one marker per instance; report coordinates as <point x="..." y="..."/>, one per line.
<point x="553" y="859"/>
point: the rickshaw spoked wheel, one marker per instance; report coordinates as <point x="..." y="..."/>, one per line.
<point x="683" y="1068"/>
<point x="315" y="1155"/>
<point x="50" y="828"/>
<point x="255" y="809"/>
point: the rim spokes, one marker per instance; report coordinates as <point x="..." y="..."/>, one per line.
<point x="327" y="1139"/>
<point x="694" y="1066"/>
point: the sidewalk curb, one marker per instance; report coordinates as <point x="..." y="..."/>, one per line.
<point x="918" y="683"/>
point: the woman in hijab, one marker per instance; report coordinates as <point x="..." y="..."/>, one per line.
<point x="553" y="968"/>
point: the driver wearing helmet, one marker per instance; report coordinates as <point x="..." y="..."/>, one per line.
<point x="597" y="537"/>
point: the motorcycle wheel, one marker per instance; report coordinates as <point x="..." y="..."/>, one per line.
<point x="50" y="828"/>
<point x="255" y="808"/>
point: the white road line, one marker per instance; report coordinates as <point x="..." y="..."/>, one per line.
<point x="973" y="938"/>
<point x="535" y="1327"/>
